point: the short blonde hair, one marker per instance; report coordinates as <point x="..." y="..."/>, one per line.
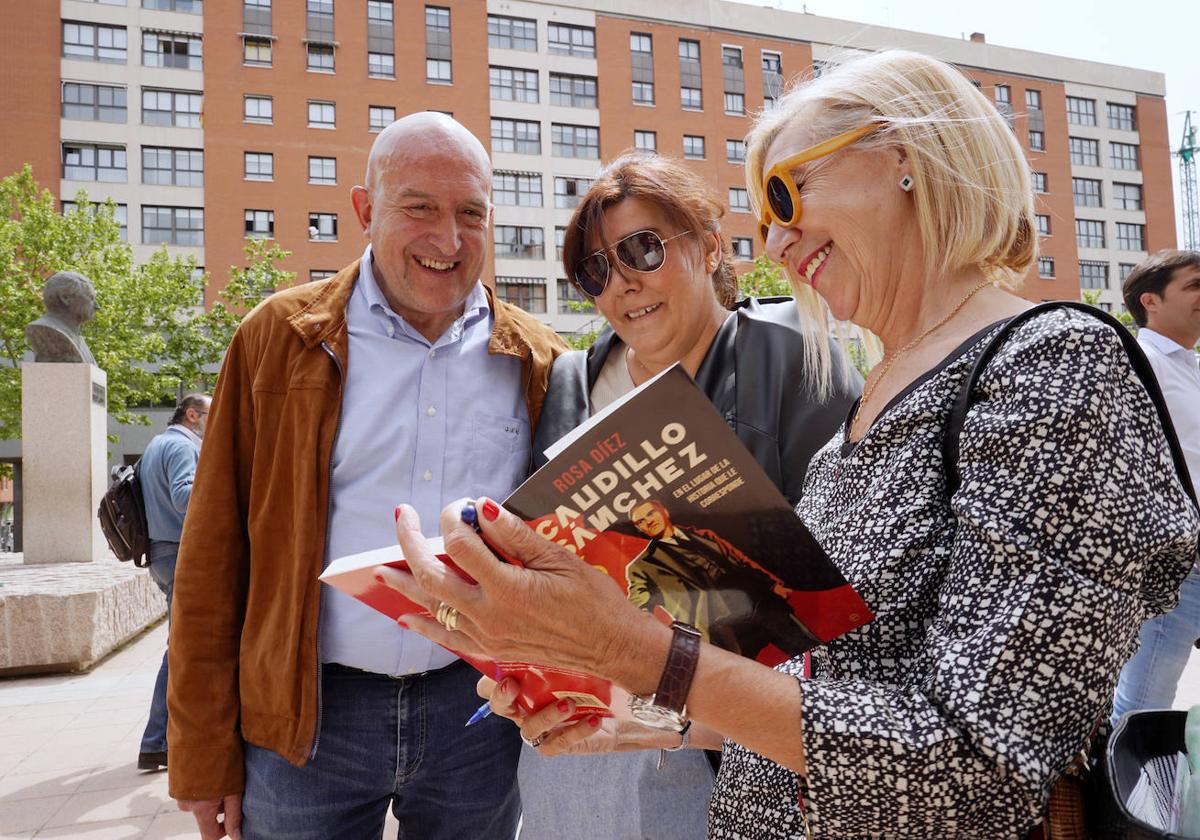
<point x="971" y="183"/>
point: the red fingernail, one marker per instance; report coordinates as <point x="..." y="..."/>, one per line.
<point x="379" y="578"/>
<point x="490" y="510"/>
<point x="564" y="706"/>
<point x="593" y="721"/>
<point x="401" y="624"/>
<point x="397" y="513"/>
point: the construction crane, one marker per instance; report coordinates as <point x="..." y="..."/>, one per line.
<point x="1187" y="184"/>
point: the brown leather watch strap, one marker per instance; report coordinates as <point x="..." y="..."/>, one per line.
<point x="677" y="675"/>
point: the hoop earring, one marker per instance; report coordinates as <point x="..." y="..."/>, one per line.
<point x="906" y="183"/>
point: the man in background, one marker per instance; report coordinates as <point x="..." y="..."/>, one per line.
<point x="167" y="470"/>
<point x="1162" y="293"/>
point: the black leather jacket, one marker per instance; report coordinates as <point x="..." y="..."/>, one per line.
<point x="752" y="373"/>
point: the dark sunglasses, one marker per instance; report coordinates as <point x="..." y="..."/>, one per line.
<point x="781" y="199"/>
<point x="644" y="252"/>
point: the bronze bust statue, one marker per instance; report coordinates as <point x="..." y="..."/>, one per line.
<point x="70" y="302"/>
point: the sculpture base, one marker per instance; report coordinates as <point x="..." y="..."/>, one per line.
<point x="63" y="618"/>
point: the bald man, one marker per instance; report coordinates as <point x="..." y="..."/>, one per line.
<point x="295" y="711"/>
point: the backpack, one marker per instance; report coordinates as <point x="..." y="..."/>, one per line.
<point x="122" y="516"/>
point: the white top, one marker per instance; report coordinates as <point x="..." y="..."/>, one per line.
<point x="613" y="382"/>
<point x="1178" y="375"/>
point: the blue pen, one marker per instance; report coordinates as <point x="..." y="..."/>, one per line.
<point x="480" y="713"/>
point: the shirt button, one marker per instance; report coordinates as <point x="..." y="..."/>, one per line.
<point x="392" y="330"/>
<point x="428" y="475"/>
<point x="433" y="354"/>
<point x="431" y="411"/>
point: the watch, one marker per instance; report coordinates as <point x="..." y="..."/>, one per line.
<point x="666" y="708"/>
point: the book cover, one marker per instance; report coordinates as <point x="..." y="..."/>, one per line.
<point x="658" y="492"/>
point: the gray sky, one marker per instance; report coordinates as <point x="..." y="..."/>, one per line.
<point x="1158" y="35"/>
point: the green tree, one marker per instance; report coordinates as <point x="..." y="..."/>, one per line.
<point x="151" y="335"/>
<point x="1092" y="298"/>
<point x="766" y="279"/>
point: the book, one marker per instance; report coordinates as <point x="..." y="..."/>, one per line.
<point x="658" y="493"/>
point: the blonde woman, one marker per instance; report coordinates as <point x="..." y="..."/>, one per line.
<point x="892" y="189"/>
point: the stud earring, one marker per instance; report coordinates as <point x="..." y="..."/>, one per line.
<point x="906" y="183"/>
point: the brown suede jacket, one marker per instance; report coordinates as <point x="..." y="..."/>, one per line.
<point x="243" y="650"/>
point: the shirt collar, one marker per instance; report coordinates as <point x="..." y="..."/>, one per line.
<point x="474" y="308"/>
<point x="188" y="433"/>
<point x="1161" y="343"/>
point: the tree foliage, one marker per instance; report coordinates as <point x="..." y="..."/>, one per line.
<point x="150" y="335"/>
<point x="766" y="279"/>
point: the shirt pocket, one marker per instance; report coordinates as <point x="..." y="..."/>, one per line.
<point x="502" y="447"/>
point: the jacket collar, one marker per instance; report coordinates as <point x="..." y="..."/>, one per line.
<point x="323" y="316"/>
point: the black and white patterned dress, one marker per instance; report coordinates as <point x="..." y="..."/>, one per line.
<point x="1003" y="616"/>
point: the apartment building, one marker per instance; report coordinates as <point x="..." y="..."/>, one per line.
<point x="210" y="121"/>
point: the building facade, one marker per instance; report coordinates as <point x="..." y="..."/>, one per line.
<point x="209" y="121"/>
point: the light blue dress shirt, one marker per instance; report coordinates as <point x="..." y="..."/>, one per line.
<point x="421" y="423"/>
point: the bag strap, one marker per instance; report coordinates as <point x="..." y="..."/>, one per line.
<point x="1137" y="359"/>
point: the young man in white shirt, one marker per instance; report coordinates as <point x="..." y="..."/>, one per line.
<point x="1163" y="295"/>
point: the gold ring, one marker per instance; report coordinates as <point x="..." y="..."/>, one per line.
<point x="534" y="742"/>
<point x="447" y="616"/>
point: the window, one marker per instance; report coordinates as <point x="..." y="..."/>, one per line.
<point x="517" y="189"/>
<point x="579" y="141"/>
<point x="1081" y="111"/>
<point x="564" y="39"/>
<point x="735" y="151"/>
<point x="772" y="70"/>
<point x="739" y="200"/>
<point x="512" y="84"/>
<point x="560" y="238"/>
<point x="1086" y="192"/>
<point x="1131" y="237"/>
<point x="320" y="57"/>
<point x="529" y="293"/>
<point x="571" y="301"/>
<point x="88" y="162"/>
<point x="437" y="45"/>
<point x="1040" y="182"/>
<point x="256" y="17"/>
<point x="1037" y="141"/>
<point x="1124" y="270"/>
<point x="641" y="58"/>
<point x="315" y="274"/>
<point x="512" y="33"/>
<point x="102" y="103"/>
<point x="194" y="7"/>
<point x="171" y="49"/>
<point x="179" y="108"/>
<point x="321" y="114"/>
<point x="568" y="191"/>
<point x="1004" y="96"/>
<point x="120" y="214"/>
<point x="1084" y="152"/>
<point x="1046" y="267"/>
<point x="1093" y="274"/>
<point x="172" y="167"/>
<point x="256" y="51"/>
<point x="1033" y="99"/>
<point x="380" y="117"/>
<point x="735" y="80"/>
<point x="647" y="141"/>
<point x="1089" y="233"/>
<point x="172" y="225"/>
<point x="257" y="109"/>
<point x="572" y="91"/>
<point x="381" y="39"/>
<point x="1127" y="196"/>
<point x="693" y="147"/>
<point x="1043" y="224"/>
<point x="1124" y="156"/>
<point x="322" y="170"/>
<point x="258" y="166"/>
<point x="322" y="227"/>
<point x="743" y="247"/>
<point x="1122" y="117"/>
<point x="521" y="136"/>
<point x="95" y="42"/>
<point x="260" y="224"/>
<point x="519" y="243"/>
<point x="690" y="82"/>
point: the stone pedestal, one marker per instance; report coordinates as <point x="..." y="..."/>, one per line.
<point x="62" y="618"/>
<point x="63" y="420"/>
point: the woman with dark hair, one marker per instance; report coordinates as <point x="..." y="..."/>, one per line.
<point x="645" y="246"/>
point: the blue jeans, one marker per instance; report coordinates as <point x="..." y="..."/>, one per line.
<point x="391" y="741"/>
<point x="162" y="570"/>
<point x="1149" y="679"/>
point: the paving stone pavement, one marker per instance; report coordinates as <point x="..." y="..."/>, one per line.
<point x="69" y="744"/>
